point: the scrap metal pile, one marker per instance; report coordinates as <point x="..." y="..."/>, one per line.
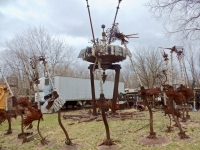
<point x="119" y="115"/>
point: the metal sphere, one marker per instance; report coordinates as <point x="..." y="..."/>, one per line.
<point x="103" y="26"/>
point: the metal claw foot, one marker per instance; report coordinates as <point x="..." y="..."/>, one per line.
<point x="169" y="129"/>
<point x="107" y="142"/>
<point x="152" y="136"/>
<point x="23" y="135"/>
<point x="182" y="135"/>
<point x="8" y="132"/>
<point x="68" y="142"/>
<point x="44" y="141"/>
<point x="188" y="116"/>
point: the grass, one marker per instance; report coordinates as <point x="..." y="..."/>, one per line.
<point x="88" y="134"/>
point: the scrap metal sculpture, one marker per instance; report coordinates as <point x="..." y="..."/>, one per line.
<point x="54" y="100"/>
<point x="35" y="114"/>
<point x="103" y="55"/>
<point x="115" y="34"/>
<point x="22" y="104"/>
<point x="178" y="98"/>
<point x="179" y="51"/>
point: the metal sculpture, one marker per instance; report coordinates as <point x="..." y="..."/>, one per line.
<point x="188" y="94"/>
<point x="36" y="113"/>
<point x="178" y="98"/>
<point x="115" y="34"/>
<point x="103" y="55"/>
<point x="54" y="100"/>
<point x="22" y="104"/>
<point x="179" y="51"/>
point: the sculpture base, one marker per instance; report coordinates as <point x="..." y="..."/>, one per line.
<point x="108" y="147"/>
<point x="157" y="141"/>
<point x="70" y="147"/>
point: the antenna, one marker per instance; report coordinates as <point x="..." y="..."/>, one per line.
<point x="91" y="23"/>
<point x="114" y="21"/>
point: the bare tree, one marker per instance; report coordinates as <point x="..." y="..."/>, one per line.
<point x="148" y="62"/>
<point x="181" y="16"/>
<point x="191" y="58"/>
<point x="36" y="42"/>
<point x="128" y="76"/>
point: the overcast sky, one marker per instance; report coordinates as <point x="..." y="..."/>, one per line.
<point x="69" y="19"/>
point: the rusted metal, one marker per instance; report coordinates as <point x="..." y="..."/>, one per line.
<point x="68" y="140"/>
<point x="188" y="94"/>
<point x="7" y="115"/>
<point x="80" y="116"/>
<point x="102" y="104"/>
<point x="177" y="98"/>
<point x="22" y="103"/>
<point x="144" y="94"/>
<point x="115" y="92"/>
<point x="93" y="90"/>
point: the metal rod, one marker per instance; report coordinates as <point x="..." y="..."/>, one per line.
<point x="91" y="22"/>
<point x="114" y="21"/>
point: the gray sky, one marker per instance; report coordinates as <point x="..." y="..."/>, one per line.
<point x="68" y="19"/>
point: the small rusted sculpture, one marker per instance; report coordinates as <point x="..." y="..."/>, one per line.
<point x="144" y="94"/>
<point x="168" y="111"/>
<point x="177" y="98"/>
<point x="54" y="100"/>
<point x="188" y="94"/>
<point x="22" y="104"/>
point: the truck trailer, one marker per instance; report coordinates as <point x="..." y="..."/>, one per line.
<point x="76" y="89"/>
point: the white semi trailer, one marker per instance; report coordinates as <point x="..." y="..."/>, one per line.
<point x="76" y="89"/>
